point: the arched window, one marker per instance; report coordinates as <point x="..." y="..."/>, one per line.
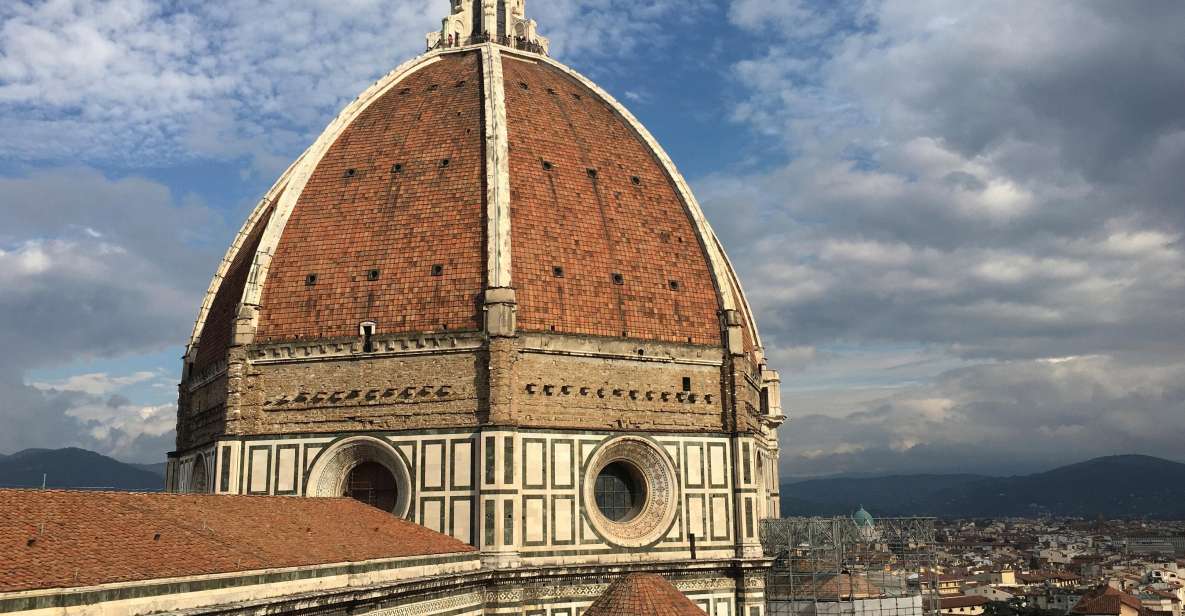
<point x="198" y="483"/>
<point x="373" y="484"/>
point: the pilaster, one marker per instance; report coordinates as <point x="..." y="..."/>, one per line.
<point x="500" y="503"/>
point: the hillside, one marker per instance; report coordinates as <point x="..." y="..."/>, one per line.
<point x="891" y="495"/>
<point x="1114" y="486"/>
<point x="74" y="468"/>
<point x="157" y="468"/>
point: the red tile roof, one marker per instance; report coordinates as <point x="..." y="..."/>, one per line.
<point x="402" y="190"/>
<point x="605" y="205"/>
<point x="63" y="539"/>
<point x="359" y="213"/>
<point x="947" y="603"/>
<point x="1106" y="600"/>
<point x="642" y="594"/>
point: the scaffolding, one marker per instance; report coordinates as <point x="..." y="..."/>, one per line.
<point x="850" y="567"/>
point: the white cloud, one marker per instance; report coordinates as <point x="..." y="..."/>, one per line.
<point x="96" y="383"/>
<point x="115" y="425"/>
<point x="987" y="183"/>
<point x="149" y="83"/>
<point x="94" y="268"/>
<point x="1016" y="416"/>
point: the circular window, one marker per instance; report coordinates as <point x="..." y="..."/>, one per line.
<point x="620" y="491"/>
<point x="373" y="484"/>
<point x="630" y="492"/>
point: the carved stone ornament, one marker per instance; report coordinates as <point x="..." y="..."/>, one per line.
<point x="328" y="476"/>
<point x="660" y="488"/>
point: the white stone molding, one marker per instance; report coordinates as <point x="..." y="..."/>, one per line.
<point x="451" y="604"/>
<point x="304" y="169"/>
<point x="233" y="252"/>
<point x="661" y="488"/>
<point x="497" y="170"/>
<point x="327" y="477"/>
<point x="750" y="320"/>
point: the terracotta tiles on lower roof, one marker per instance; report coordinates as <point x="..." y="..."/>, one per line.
<point x="643" y="594"/>
<point x="1106" y="600"/>
<point x="948" y="603"/>
<point x="64" y="539"/>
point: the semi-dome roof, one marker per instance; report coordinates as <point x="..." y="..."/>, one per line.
<point x="476" y="167"/>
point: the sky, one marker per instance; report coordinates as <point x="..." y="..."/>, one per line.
<point x="961" y="224"/>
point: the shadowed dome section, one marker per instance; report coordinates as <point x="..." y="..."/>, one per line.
<point x="389" y="227"/>
<point x="215" y="335"/>
<point x="589" y="196"/>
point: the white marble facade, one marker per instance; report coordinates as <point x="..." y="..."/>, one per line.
<point x="517" y="494"/>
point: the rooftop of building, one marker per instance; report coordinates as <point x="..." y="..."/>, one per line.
<point x="70" y="539"/>
<point x="643" y="594"/>
<point x="1106" y="601"/>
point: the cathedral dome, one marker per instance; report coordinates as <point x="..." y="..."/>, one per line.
<point x="486" y="300"/>
<point x="473" y="175"/>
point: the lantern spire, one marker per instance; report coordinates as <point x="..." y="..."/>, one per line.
<point x="502" y="22"/>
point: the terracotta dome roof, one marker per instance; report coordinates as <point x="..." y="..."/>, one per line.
<point x="643" y="594"/>
<point x="469" y="169"/>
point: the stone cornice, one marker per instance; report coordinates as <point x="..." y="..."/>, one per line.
<point x="351" y="348"/>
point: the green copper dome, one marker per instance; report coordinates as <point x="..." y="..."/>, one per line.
<point x="862" y="518"/>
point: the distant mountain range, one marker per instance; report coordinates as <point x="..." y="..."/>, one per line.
<point x="1115" y="486"/>
<point x="76" y="468"/>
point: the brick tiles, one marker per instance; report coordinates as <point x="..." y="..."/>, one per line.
<point x="643" y="594"/>
<point x="90" y="538"/>
<point x="629" y="219"/>
<point x="399" y="222"/>
<point x="216" y="331"/>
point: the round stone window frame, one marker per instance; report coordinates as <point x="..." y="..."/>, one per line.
<point x="660" y="488"/>
<point x="328" y="476"/>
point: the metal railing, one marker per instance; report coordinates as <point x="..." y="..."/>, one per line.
<point x="514" y="42"/>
